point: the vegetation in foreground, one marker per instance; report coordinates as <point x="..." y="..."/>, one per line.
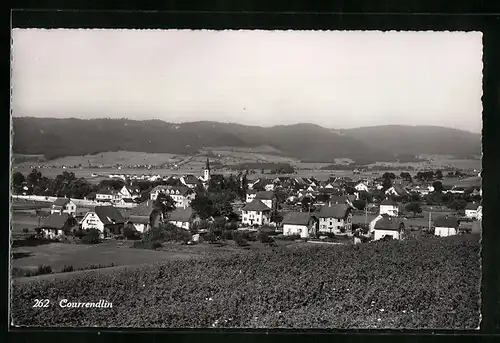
<point x="428" y="283"/>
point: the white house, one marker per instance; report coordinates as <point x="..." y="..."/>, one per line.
<point x="180" y="194"/>
<point x="298" y="223"/>
<point x="445" y="226"/>
<point x="63" y="205"/>
<point x="390" y="207"/>
<point x="396" y="190"/>
<point x="471" y="210"/>
<point x="106" y="219"/>
<point x="140" y="223"/>
<point x="127" y="193"/>
<point x="55" y="226"/>
<point x="256" y="213"/>
<point x="189" y="181"/>
<point x="269" y="187"/>
<point x="250" y="195"/>
<point x="361" y="187"/>
<point x="181" y="217"/>
<point x="386" y="226"/>
<point x="104" y="196"/>
<point x="335" y="219"/>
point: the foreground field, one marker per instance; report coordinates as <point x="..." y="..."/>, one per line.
<point x="428" y="283"/>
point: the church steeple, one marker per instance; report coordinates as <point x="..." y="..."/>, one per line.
<point x="206" y="172"/>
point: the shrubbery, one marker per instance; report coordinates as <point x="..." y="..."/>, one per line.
<point x="415" y="284"/>
<point x="93" y="236"/>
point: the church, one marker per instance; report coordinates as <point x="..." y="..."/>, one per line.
<point x="206" y="173"/>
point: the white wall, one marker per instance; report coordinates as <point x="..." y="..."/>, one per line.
<point x="471" y="213"/>
<point x="445" y="231"/>
<point x="291" y="229"/>
<point x="389" y="209"/>
<point x="259" y="218"/>
<point x="379" y="234"/>
<point x="92" y="221"/>
<point x="336" y="225"/>
<point x="182" y="225"/>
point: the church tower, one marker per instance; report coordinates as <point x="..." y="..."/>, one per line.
<point x="206" y="172"/>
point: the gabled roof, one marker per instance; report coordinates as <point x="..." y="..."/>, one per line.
<point x="334" y="211"/>
<point x="143" y="209"/>
<point x="61" y="202"/>
<point x="296" y="218"/>
<point x="256" y="205"/>
<point x="109" y="215"/>
<point x="181" y="214"/>
<point x="191" y="179"/>
<point x="446" y="222"/>
<point x="105" y="191"/>
<point x="56" y="221"/>
<point x="138" y="219"/>
<point x="388" y="223"/>
<point x="472" y="206"/>
<point x="338" y="199"/>
<point x="389" y="201"/>
<point x="265" y="195"/>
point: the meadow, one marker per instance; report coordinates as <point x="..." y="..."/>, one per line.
<point x="424" y="284"/>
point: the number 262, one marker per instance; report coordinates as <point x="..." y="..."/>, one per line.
<point x="41" y="303"/>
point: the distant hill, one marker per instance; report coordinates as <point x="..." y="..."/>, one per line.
<point x="307" y="142"/>
<point x="418" y="139"/>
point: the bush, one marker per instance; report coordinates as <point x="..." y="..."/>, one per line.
<point x="67" y="268"/>
<point x="210" y="237"/>
<point x="79" y="233"/>
<point x="264" y="238"/>
<point x="25" y="230"/>
<point x="93" y="236"/>
<point x="43" y="269"/>
<point x="129" y="232"/>
<point x="288" y="237"/>
<point x="147" y="245"/>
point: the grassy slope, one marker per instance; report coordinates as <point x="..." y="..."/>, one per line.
<point x="429" y="283"/>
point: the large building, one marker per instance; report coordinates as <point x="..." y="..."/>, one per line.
<point x="335" y="219"/>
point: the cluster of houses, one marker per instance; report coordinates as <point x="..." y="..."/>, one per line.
<point x="333" y="216"/>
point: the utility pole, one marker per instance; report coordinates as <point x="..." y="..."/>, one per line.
<point x="430" y="215"/>
<point x="366" y="213"/>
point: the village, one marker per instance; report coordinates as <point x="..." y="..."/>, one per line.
<point x="390" y="207"/>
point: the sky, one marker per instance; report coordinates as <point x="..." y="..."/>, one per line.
<point x="336" y="79"/>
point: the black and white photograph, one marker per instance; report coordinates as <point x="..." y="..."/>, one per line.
<point x="276" y="179"/>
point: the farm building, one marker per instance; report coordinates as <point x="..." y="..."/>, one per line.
<point x="180" y="194"/>
<point x="471" y="210"/>
<point x="256" y="213"/>
<point x="57" y="225"/>
<point x="106" y="219"/>
<point x="139" y="216"/>
<point x="298" y="223"/>
<point x="335" y="219"/>
<point x="390" y="207"/>
<point x="181" y="217"/>
<point x="386" y="226"/>
<point x="396" y="190"/>
<point x="63" y="205"/>
<point x="446" y="226"/>
<point x="104" y="196"/>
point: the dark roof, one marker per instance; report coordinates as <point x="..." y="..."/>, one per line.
<point x="105" y="191"/>
<point x="265" y="195"/>
<point x="334" y="211"/>
<point x="138" y="219"/>
<point x="56" y="221"/>
<point x="389" y="202"/>
<point x="387" y="223"/>
<point x="296" y="218"/>
<point x="143" y="209"/>
<point x="472" y="206"/>
<point x="183" y="190"/>
<point x="191" y="179"/>
<point x="328" y="190"/>
<point x="256" y="205"/>
<point x="446" y="222"/>
<point x="109" y="215"/>
<point x="181" y="214"/>
<point x="61" y="202"/>
<point x="338" y="199"/>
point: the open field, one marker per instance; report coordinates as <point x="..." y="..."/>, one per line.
<point x="426" y="284"/>
<point x="57" y="255"/>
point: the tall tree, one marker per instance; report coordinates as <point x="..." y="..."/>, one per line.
<point x="438" y="186"/>
<point x="164" y="204"/>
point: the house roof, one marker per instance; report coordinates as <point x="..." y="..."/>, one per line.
<point x="387" y="223"/>
<point x="138" y="219"/>
<point x="56" y="221"/>
<point x="296" y="218"/>
<point x="328" y="190"/>
<point x="334" y="211"/>
<point x="183" y="190"/>
<point x="446" y="222"/>
<point x="143" y="209"/>
<point x="265" y="195"/>
<point x="338" y="199"/>
<point x="256" y="205"/>
<point x="389" y="202"/>
<point x="109" y="215"/>
<point x="61" y="201"/>
<point x="191" y="179"/>
<point x="105" y="191"/>
<point x="181" y="214"/>
<point x="472" y="206"/>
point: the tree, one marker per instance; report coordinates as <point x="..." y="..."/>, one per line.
<point x="438" y="174"/>
<point x="406" y="176"/>
<point x="203" y="206"/>
<point x="388" y="175"/>
<point x="164" y="204"/>
<point x="276" y="217"/>
<point x="414" y="207"/>
<point x="359" y="204"/>
<point x="438" y="186"/>
<point x="306" y="204"/>
<point x="386" y="184"/>
<point x="18" y="179"/>
<point x="129" y="231"/>
<point x="34" y="177"/>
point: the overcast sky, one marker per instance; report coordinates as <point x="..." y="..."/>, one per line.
<point x="331" y="78"/>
